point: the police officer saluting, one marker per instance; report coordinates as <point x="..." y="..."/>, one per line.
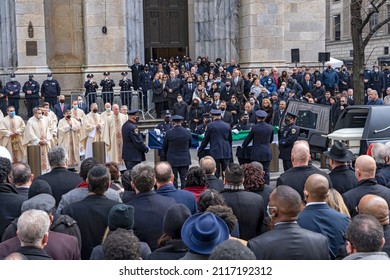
<point x="262" y="135"/>
<point x="126" y="87"/>
<point x="31" y="90"/>
<point x="50" y="90"/>
<point x="12" y="90"/>
<point x="176" y="147"/>
<point x="107" y="88"/>
<point x="219" y="135"/>
<point x="134" y="149"/>
<point x="287" y="137"/>
<point x="90" y="90"/>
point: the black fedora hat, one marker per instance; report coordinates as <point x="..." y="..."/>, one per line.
<point x="339" y="152"/>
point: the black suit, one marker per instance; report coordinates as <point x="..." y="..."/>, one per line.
<point x="135" y="71"/>
<point x="227" y="117"/>
<point x="343" y="178"/>
<point x="61" y="181"/>
<point x="214" y="183"/>
<point x="249" y="221"/>
<point x="176" y="147"/>
<point x="150" y="209"/>
<point x="91" y="214"/>
<point x="296" y="177"/>
<point x="369" y="186"/>
<point x="289" y="241"/>
<point x="174" y="85"/>
<point x="10" y="202"/>
<point x="307" y="88"/>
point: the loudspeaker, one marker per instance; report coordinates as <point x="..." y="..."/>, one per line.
<point x="323" y="56"/>
<point x="295" y="56"/>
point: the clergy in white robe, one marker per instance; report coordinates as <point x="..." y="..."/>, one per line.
<point x="107" y="112"/>
<point x="112" y="136"/>
<point x="69" y="138"/>
<point x="37" y="132"/>
<point x="52" y="121"/>
<point x="91" y="130"/>
<point x="11" y="132"/>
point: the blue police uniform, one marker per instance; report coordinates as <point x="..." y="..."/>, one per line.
<point x="126" y="84"/>
<point x="50" y="89"/>
<point x="244" y="153"/>
<point x="146" y="84"/>
<point x="176" y="147"/>
<point x="12" y="90"/>
<point x="107" y="89"/>
<point x="31" y="98"/>
<point x="134" y="149"/>
<point x="90" y="90"/>
<point x="219" y="135"/>
<point x="262" y="135"/>
<point x="287" y="137"/>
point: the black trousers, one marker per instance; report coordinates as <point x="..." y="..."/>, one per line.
<point x="52" y="101"/>
<point x="221" y="166"/>
<point x="14" y="102"/>
<point x="108" y="97"/>
<point x="266" y="165"/>
<point x="31" y="104"/>
<point x="181" y="171"/>
<point x="131" y="164"/>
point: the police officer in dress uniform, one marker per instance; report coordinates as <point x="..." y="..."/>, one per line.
<point x="90" y="90"/>
<point x="206" y="119"/>
<point x="134" y="149"/>
<point x="262" y="135"/>
<point x="50" y="90"/>
<point x="219" y="135"/>
<point x="31" y="91"/>
<point x="287" y="137"/>
<point x="107" y="88"/>
<point x="12" y="91"/>
<point x="145" y="85"/>
<point x="243" y="153"/>
<point x="126" y="87"/>
<point x="162" y="128"/>
<point x="176" y="147"/>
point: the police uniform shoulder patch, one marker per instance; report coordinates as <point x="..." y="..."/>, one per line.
<point x="136" y="130"/>
<point x="293" y="131"/>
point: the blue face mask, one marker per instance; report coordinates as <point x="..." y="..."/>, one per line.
<point x="12" y="114"/>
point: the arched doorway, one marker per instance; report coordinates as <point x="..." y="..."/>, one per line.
<point x="165" y="28"/>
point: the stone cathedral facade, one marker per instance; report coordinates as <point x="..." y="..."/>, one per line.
<point x="71" y="38"/>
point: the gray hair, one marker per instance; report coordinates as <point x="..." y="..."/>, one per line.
<point x="379" y="152"/>
<point x="208" y="164"/>
<point x="143" y="177"/>
<point x="57" y="157"/>
<point x="32" y="227"/>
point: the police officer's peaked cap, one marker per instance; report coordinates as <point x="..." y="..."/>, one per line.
<point x="291" y="115"/>
<point x="216" y="112"/>
<point x="177" y="118"/>
<point x="166" y="113"/>
<point x="206" y="115"/>
<point x="31" y="76"/>
<point x="90" y="76"/>
<point x="261" y="114"/>
<point x="245" y="114"/>
<point x="49" y="75"/>
<point x="106" y="73"/>
<point x="262" y="69"/>
<point x="132" y="112"/>
<point x="13" y="75"/>
<point x="124" y="73"/>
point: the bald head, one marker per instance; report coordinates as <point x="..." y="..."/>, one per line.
<point x="375" y="206"/>
<point x="300" y="154"/>
<point x="164" y="174"/>
<point x="316" y="188"/>
<point x="365" y="167"/>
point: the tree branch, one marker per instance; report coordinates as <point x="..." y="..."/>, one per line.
<point x="373" y="11"/>
<point x="374" y="29"/>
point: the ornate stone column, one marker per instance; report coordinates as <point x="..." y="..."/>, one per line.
<point x="7" y="36"/>
<point x="104" y="51"/>
<point x="30" y="34"/>
<point x="216" y="26"/>
<point x="135" y="31"/>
